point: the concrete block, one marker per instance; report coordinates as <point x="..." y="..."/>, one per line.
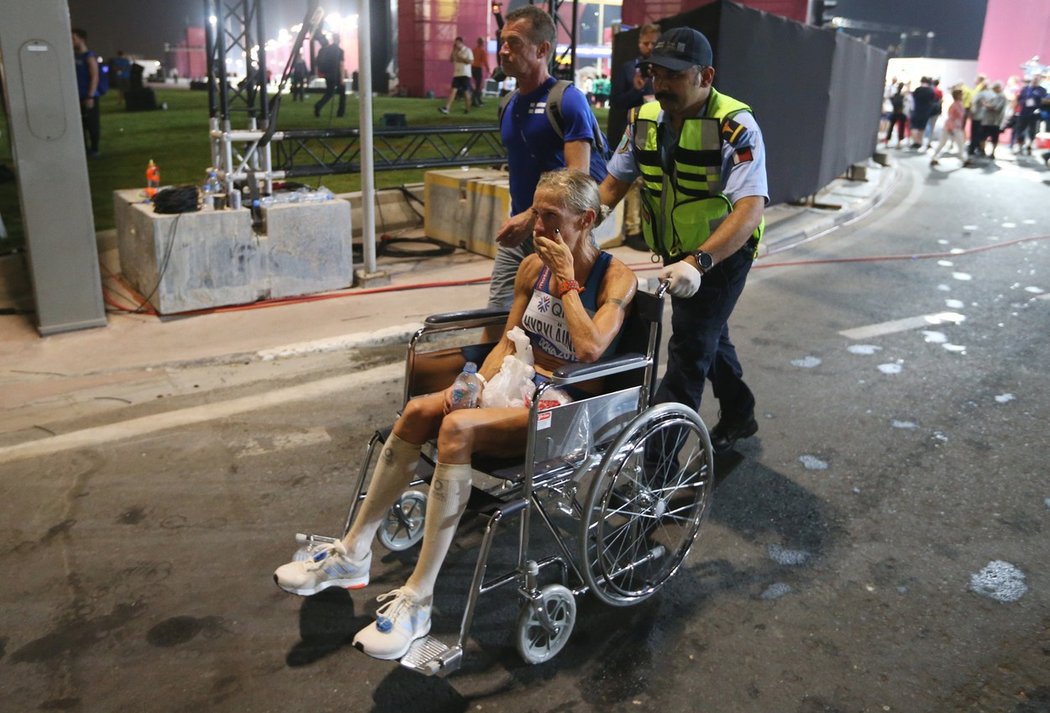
<point x="393" y="211"/>
<point x="486" y="208"/>
<point x="458" y="199"/>
<point x="190" y="261"/>
<point x="214" y="258"/>
<point x="307" y="246"/>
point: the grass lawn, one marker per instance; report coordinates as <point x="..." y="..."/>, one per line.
<point x="177" y="140"/>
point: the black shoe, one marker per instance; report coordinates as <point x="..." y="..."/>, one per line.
<point x="317" y="112"/>
<point x="727" y="432"/>
<point x="636" y="241"/>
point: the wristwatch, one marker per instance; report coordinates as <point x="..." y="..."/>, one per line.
<point x="704" y="261"/>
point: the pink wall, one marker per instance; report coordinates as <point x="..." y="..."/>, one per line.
<point x="189" y="56"/>
<point x="1014" y="30"/>
<point x="426" y="31"/>
<point x="638" y="12"/>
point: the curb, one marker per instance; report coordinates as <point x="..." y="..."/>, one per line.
<point x="774" y="243"/>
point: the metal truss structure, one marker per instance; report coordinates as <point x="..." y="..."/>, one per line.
<point x="301" y="153"/>
<point x="554" y="8"/>
<point x="247" y="147"/>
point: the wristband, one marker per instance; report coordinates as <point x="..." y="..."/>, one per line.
<point x="567" y="285"/>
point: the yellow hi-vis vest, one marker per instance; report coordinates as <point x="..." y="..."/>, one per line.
<point x="681" y="208"/>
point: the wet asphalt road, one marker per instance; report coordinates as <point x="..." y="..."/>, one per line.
<point x="879" y="546"/>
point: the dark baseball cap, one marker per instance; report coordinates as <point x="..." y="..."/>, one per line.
<point x="681" y="48"/>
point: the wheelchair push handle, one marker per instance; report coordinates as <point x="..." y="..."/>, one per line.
<point x="662" y="288"/>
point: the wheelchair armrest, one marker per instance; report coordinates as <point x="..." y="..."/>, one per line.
<point x="575" y="373"/>
<point x="470" y="318"/>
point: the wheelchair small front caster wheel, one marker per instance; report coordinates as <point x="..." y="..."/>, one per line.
<point x="403" y="526"/>
<point x="544" y="627"/>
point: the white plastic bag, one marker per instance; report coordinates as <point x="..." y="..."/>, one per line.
<point x="513" y="384"/>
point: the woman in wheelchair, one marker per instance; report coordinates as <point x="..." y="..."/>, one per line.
<point x="570" y="298"/>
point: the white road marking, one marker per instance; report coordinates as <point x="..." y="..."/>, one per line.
<point x="902" y="325"/>
<point x="284" y="442"/>
<point x="181" y="418"/>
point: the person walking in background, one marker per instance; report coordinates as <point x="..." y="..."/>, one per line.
<point x="631" y="89"/>
<point x="968" y="94"/>
<point x="479" y="70"/>
<point x="897" y="116"/>
<point x="953" y="129"/>
<point x="710" y="239"/>
<point x="299" y="77"/>
<point x="993" y="114"/>
<point x="533" y="146"/>
<point x="922" y="98"/>
<point x="462" y="59"/>
<point x="935" y="114"/>
<point x="330" y="64"/>
<point x="1030" y="102"/>
<point x="87" y="86"/>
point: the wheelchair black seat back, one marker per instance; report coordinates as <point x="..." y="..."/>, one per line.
<point x="623" y="486"/>
<point x="434" y="369"/>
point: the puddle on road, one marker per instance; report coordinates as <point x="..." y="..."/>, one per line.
<point x="944" y="288"/>
<point x="863" y="349"/>
<point x="962" y="276"/>
<point x="890" y="368"/>
<point x="1000" y="581"/>
<point x="786" y="557"/>
<point x="945" y="263"/>
<point x="934" y="337"/>
<point x="813" y="463"/>
<point x="954" y="304"/>
<point x="776" y="591"/>
<point x="955" y="348"/>
<point x="808" y="362"/>
<point x="1004" y="398"/>
<point x="1034" y="290"/>
<point x="904" y="424"/>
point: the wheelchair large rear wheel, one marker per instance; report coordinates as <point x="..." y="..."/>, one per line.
<point x="403" y="525"/>
<point x="646" y="504"/>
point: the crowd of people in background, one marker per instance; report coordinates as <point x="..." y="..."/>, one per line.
<point x="981" y="112"/>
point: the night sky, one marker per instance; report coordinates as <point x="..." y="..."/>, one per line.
<point x="141" y="28"/>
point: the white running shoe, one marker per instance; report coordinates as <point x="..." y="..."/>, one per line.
<point x="329" y="567"/>
<point x="399" y="622"/>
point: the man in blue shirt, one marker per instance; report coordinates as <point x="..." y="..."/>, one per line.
<point x="1029" y="104"/>
<point x="702" y="161"/>
<point x="533" y="146"/>
<point x="87" y="86"/>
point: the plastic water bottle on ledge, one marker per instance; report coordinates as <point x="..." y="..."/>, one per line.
<point x="152" y="179"/>
<point x="466" y="389"/>
<point x="211" y="191"/>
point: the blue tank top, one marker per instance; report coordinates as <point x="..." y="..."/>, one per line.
<point x="544" y="319"/>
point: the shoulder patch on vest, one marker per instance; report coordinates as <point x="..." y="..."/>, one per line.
<point x="731" y="131"/>
<point x="742" y="156"/>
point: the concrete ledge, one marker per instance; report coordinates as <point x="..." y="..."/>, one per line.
<point x="210" y="259"/>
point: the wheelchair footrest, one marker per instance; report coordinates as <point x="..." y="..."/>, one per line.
<point x="431" y="657"/>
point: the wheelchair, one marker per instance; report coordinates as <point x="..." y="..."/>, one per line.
<point x="623" y="486"/>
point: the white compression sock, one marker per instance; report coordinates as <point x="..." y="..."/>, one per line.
<point x="393" y="472"/>
<point x="449" y="493"/>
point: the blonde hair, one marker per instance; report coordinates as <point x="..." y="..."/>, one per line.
<point x="578" y="191"/>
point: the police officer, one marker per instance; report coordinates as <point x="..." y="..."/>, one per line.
<point x="702" y="162"/>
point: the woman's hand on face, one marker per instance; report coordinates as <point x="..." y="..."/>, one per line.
<point x="555" y="254"/>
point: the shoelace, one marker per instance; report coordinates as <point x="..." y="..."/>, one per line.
<point x="319" y="559"/>
<point x="388" y="613"/>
